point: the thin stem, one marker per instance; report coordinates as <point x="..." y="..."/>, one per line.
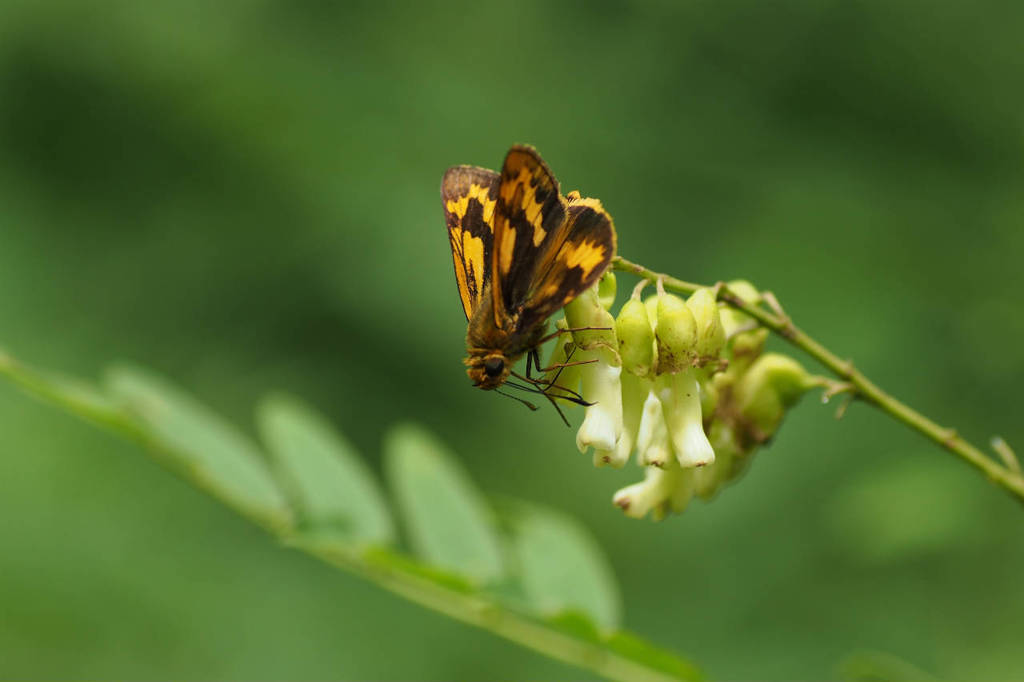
<point x="862" y="387"/>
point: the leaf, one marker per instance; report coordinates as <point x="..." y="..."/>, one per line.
<point x="561" y="566"/>
<point x="630" y="646"/>
<point x="329" y="484"/>
<point x="448" y="523"/>
<point x="220" y="460"/>
<point x="73" y="394"/>
<point x="382" y="558"/>
<point x="212" y="450"/>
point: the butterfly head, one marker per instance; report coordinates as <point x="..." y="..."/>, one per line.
<point x="488" y="369"/>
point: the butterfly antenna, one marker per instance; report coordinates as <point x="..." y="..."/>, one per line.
<point x="520" y="387"/>
<point x="574" y="399"/>
<point x="518" y="399"/>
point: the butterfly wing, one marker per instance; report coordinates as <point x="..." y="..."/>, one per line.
<point x="575" y="257"/>
<point x="469" y="196"/>
<point x="529" y="214"/>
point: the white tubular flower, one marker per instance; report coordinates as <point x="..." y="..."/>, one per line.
<point x="652" y="443"/>
<point x="661" y="491"/>
<point x="679" y="395"/>
<point x="600" y="381"/>
<point x="685" y="487"/>
<point x="677" y="335"/>
<point x="602" y="423"/>
<point x="651" y="494"/>
<point x="636" y="351"/>
<point x="634" y="395"/>
<point x="567" y="374"/>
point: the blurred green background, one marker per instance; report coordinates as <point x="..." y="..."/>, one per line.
<point x="244" y="196"/>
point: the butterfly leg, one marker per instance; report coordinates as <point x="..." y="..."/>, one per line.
<point x="533" y="358"/>
<point x="576" y="398"/>
<point x="559" y="366"/>
<point x="542" y="391"/>
<point x="559" y="332"/>
<point x="544" y="386"/>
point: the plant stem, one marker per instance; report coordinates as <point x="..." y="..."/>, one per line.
<point x="862" y="387"/>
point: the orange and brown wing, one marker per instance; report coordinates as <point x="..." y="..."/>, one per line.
<point x="469" y="196"/>
<point x="577" y="255"/>
<point x="530" y="212"/>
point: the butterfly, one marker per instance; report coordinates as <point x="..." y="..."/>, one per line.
<point x="521" y="252"/>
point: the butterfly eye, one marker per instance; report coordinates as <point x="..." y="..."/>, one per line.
<point x="494" y="366"/>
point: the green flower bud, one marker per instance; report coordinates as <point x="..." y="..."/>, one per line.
<point x="606" y="290"/>
<point x="710" y="332"/>
<point x="676" y="334"/>
<point x="773" y="384"/>
<point x="747" y="292"/>
<point x="733" y="319"/>
<point x="586" y="312"/>
<point x="636" y="338"/>
<point x="651" y="303"/>
<point x="746" y="347"/>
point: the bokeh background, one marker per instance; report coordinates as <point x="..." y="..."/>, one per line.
<point x="244" y="197"/>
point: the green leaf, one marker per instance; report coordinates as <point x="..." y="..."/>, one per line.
<point x="448" y="523"/>
<point x="327" y="481"/>
<point x="628" y="645"/>
<point x="73" y="394"/>
<point x="561" y="566"/>
<point x="212" y="450"/>
<point x="447" y="518"/>
<point x="399" y="563"/>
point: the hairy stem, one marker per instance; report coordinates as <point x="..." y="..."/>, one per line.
<point x="861" y="387"/>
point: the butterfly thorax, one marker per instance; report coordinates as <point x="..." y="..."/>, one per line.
<point x="491" y="350"/>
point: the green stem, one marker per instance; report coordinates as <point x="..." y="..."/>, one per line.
<point x="862" y="387"/>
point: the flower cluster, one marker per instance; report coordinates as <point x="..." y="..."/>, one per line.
<point x="684" y="384"/>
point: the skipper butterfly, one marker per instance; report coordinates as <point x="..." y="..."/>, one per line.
<point x="521" y="252"/>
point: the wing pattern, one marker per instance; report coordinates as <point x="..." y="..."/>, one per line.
<point x="515" y="238"/>
<point x="469" y="196"/>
